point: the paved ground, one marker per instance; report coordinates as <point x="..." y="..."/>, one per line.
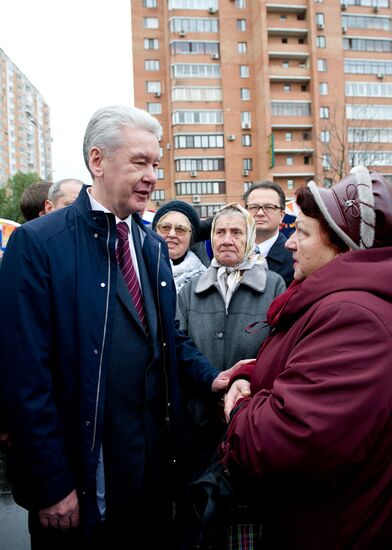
<point x="13" y="519"/>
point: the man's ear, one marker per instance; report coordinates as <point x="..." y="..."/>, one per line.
<point x="49" y="206"/>
<point x="95" y="161"/>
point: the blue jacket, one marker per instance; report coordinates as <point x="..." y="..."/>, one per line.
<point x="58" y="289"/>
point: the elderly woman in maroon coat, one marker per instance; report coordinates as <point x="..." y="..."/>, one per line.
<point x="315" y="433"/>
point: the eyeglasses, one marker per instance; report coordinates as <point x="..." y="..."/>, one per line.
<point x="266" y="208"/>
<point x="180" y="230"/>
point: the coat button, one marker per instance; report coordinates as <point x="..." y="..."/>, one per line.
<point x="87" y="423"/>
<point x="95" y="235"/>
<point x="219" y="334"/>
<point x="163" y="283"/>
<point x="103" y="285"/>
<point x="95" y="352"/>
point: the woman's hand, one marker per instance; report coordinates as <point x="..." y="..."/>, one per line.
<point x="239" y="389"/>
<point x="221" y="381"/>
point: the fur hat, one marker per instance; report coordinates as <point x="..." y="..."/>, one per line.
<point x="184" y="208"/>
<point x="358" y="208"/>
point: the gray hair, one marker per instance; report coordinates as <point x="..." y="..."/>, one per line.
<point x="104" y="128"/>
<point x="55" y="190"/>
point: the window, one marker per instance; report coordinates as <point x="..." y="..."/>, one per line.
<point x="244" y="71"/>
<point x="151" y="44"/>
<point x="369" y="112"/>
<point x="288" y="136"/>
<point x="287" y="87"/>
<point x="369" y="89"/>
<point x="190" y="93"/>
<point x="366" y="22"/>
<point x="370" y="135"/>
<point x="199" y="164"/>
<point x="290" y="108"/>
<point x="151" y="65"/>
<point x="240" y="4"/>
<point x="160" y="173"/>
<point x="150" y="3"/>
<point x="308" y="159"/>
<point x="207" y="210"/>
<point x="247" y="164"/>
<point x="304" y="87"/>
<point x="154" y="108"/>
<point x="192" y="4"/>
<point x="153" y="87"/>
<point x="370" y="158"/>
<point x="290" y="185"/>
<point x="327" y="183"/>
<point x="158" y="195"/>
<point x="306" y="136"/>
<point x="193" y="141"/>
<point x="241" y="24"/>
<point x="194" y="24"/>
<point x="289" y="161"/>
<point x="324" y="112"/>
<point x="367" y="66"/>
<point x="321" y="65"/>
<point x="196" y="70"/>
<point x="194" y="47"/>
<point x="285" y="64"/>
<point x="326" y="161"/>
<point x="246" y="140"/>
<point x="320" y="20"/>
<point x="367" y="44"/>
<point x="151" y="22"/>
<point x="242" y="47"/>
<point x="245" y="94"/>
<point x="197" y="117"/>
<point x="321" y="42"/>
<point x="325" y="136"/>
<point x="208" y="187"/>
<point x="284" y="40"/>
<point x="323" y="88"/>
<point x="246" y="119"/>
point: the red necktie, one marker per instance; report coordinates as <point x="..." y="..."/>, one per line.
<point x="124" y="260"/>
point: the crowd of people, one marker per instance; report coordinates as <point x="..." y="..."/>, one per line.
<point x="129" y="355"/>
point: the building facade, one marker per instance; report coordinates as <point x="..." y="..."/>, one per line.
<point x="25" y="140"/>
<point x="248" y="90"/>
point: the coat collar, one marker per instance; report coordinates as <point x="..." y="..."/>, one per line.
<point x="251" y="277"/>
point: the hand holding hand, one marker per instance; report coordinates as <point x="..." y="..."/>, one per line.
<point x="63" y="515"/>
<point x="221" y="381"/>
<point x="239" y="389"/>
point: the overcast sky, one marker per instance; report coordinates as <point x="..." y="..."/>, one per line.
<point x="77" y="53"/>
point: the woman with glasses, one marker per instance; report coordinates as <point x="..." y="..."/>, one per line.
<point x="178" y="223"/>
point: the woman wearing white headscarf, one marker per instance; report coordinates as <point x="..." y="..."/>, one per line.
<point x="216" y="307"/>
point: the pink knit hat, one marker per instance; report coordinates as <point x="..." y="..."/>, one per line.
<point x="358" y="208"/>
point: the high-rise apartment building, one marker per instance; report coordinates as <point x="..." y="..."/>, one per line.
<point x="25" y="140"/>
<point x="247" y="90"/>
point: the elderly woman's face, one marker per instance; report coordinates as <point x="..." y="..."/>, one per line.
<point x="310" y="247"/>
<point x="229" y="239"/>
<point x="176" y="229"/>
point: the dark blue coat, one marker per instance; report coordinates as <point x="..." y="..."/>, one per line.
<point x="280" y="260"/>
<point x="58" y="289"/>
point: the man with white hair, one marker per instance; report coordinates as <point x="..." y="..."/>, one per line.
<point x="91" y="356"/>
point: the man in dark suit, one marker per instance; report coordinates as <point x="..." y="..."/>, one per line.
<point x="266" y="203"/>
<point x="91" y="358"/>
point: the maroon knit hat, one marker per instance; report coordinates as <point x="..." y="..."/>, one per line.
<point x="358" y="208"/>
